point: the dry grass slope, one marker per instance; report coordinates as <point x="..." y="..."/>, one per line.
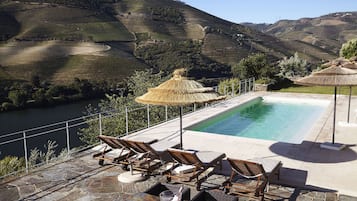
<point x="131" y="22"/>
<point x="328" y="32"/>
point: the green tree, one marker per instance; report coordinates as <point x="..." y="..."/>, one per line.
<point x="18" y="97"/>
<point x="140" y="81"/>
<point x="293" y="66"/>
<point x="255" y="65"/>
<point x="115" y="125"/>
<point x="349" y="49"/>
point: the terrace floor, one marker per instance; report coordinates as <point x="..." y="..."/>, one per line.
<point x="309" y="172"/>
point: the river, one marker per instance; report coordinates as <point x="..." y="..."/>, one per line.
<point x="15" y="121"/>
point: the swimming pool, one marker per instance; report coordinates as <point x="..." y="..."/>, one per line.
<point x="268" y="118"/>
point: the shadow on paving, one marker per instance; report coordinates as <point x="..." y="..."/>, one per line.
<point x="83" y="179"/>
<point x="311" y="152"/>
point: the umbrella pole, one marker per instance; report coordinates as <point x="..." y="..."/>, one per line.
<point x="180" y="127"/>
<point x="334" y="117"/>
<point x="349" y="105"/>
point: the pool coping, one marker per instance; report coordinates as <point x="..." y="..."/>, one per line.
<point x="311" y="134"/>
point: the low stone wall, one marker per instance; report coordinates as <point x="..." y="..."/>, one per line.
<point x="261" y="87"/>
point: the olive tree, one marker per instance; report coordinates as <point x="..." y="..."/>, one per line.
<point x="255" y="65"/>
<point x="293" y="66"/>
<point x="349" y="49"/>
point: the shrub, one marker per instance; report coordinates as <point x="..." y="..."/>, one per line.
<point x="5" y="106"/>
<point x="168" y="14"/>
<point x="229" y="86"/>
<point x="37" y="156"/>
<point x="349" y="49"/>
<point x="11" y="164"/>
<point x="294" y="66"/>
<point x="18" y="97"/>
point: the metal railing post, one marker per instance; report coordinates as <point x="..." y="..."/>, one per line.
<point x="240" y="87"/>
<point x="194" y="107"/>
<point x="166" y="118"/>
<point x="253" y="83"/>
<point x="245" y="86"/>
<point x="233" y="89"/>
<point x="126" y="121"/>
<point x="100" y="124"/>
<point x="249" y="85"/>
<point x="148" y="115"/>
<point x="25" y="149"/>
<point x="67" y="132"/>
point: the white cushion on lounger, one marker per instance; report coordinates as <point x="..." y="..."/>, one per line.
<point x="182" y="169"/>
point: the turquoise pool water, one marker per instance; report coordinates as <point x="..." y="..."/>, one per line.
<point x="284" y="120"/>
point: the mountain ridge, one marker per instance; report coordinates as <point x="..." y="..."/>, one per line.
<point x="161" y="35"/>
<point x="328" y="31"/>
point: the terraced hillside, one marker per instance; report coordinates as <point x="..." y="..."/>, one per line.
<point x="60" y="43"/>
<point x="108" y="40"/>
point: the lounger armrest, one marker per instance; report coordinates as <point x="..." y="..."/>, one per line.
<point x="269" y="165"/>
<point x="210" y="157"/>
<point x="141" y="139"/>
<point x="101" y="153"/>
<point x="163" y="145"/>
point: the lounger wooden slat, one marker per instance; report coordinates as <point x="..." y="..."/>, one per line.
<point x="200" y="162"/>
<point x="250" y="178"/>
<point x="111" y="151"/>
<point x="147" y="156"/>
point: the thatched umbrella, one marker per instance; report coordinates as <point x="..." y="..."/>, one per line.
<point x="345" y="63"/>
<point x="331" y="76"/>
<point x="179" y="91"/>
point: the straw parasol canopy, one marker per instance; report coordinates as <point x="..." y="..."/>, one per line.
<point x="179" y="91"/>
<point x="345" y="63"/>
<point x="331" y="76"/>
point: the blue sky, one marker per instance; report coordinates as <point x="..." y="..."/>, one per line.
<point x="270" y="11"/>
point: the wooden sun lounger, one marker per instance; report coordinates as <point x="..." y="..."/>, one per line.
<point x="190" y="165"/>
<point x="114" y="150"/>
<point x="251" y="178"/>
<point x="111" y="151"/>
<point x="147" y="157"/>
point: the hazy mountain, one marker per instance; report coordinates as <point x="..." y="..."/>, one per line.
<point x="328" y="32"/>
<point x="260" y="26"/>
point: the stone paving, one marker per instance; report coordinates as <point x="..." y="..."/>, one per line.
<point x="81" y="178"/>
